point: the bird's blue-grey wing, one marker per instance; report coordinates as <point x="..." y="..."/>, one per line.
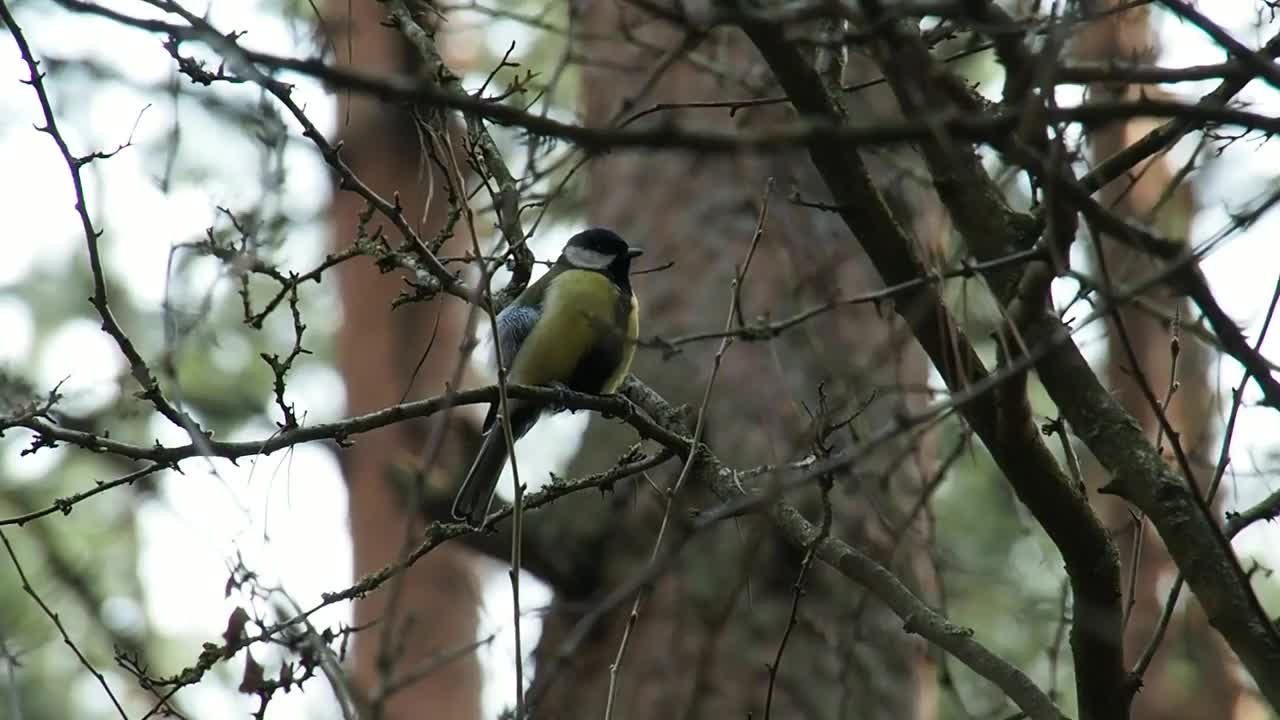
<point x="515" y="323"/>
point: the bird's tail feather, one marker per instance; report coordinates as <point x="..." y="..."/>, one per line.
<point x="476" y="494"/>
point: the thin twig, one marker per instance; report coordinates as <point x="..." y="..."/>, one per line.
<point x="1234" y="523"/>
<point x="692" y="456"/>
<point x="797" y="591"/>
<point x="26" y="584"/>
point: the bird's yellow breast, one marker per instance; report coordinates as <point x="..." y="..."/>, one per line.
<point x="579" y="312"/>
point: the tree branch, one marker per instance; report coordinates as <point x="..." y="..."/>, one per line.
<point x="100" y="300"/>
<point x="1257" y="63"/>
<point x="1185" y="523"/>
<point x="989" y="127"/>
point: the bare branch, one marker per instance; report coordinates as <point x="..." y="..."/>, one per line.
<point x="138" y="367"/>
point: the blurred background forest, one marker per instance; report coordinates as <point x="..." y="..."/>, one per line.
<point x="226" y="250"/>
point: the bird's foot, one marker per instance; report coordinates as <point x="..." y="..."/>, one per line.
<point x="626" y="406"/>
<point x="562" y="397"/>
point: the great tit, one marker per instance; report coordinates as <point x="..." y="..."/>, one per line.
<point x="576" y="327"/>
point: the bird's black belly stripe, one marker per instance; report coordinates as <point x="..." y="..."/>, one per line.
<point x="596" y="367"/>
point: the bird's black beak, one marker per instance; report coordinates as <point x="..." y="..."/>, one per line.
<point x="634" y="252"/>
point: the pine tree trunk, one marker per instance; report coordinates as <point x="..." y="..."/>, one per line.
<point x="709" y="629"/>
<point x="378" y="351"/>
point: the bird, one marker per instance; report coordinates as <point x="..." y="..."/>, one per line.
<point x="575" y="328"/>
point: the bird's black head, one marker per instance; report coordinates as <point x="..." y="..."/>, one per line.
<point x="602" y="250"/>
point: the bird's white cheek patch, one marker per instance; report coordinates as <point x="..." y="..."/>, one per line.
<point x="587" y="258"/>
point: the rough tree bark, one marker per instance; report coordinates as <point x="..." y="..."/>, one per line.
<point x="378" y="351"/>
<point x="708" y="630"/>
<point x="1156" y="192"/>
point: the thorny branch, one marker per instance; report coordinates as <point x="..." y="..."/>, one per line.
<point x="698" y="428"/>
<point x="146" y="379"/>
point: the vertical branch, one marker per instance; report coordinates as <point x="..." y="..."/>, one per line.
<point x="381" y="172"/>
<point x="506" y="202"/>
<point x="694" y="453"/>
<point x="797" y="590"/>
